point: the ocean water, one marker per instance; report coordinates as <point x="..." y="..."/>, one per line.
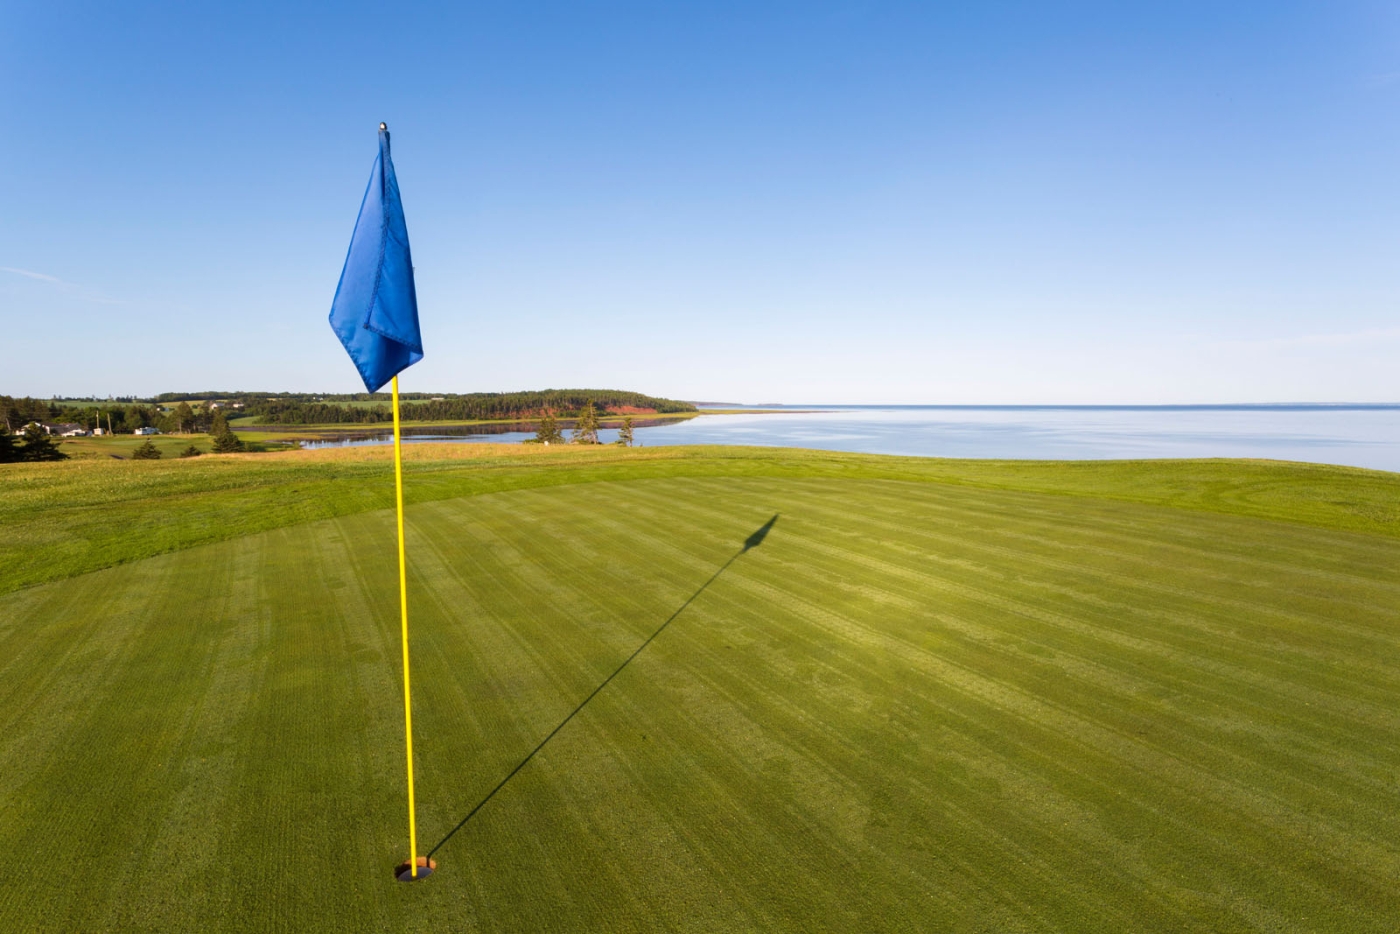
<point x="1358" y="436"/>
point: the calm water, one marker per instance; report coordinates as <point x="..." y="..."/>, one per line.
<point x="1359" y="436"/>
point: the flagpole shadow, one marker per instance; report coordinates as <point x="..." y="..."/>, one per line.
<point x="753" y="541"/>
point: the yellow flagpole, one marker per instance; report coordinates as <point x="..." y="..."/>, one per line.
<point x="403" y="612"/>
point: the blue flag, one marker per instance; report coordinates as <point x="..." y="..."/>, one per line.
<point x="375" y="310"/>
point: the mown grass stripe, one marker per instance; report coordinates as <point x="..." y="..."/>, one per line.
<point x="1068" y="571"/>
<point x="1037" y="710"/>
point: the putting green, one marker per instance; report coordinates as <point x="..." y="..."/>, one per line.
<point x="912" y="706"/>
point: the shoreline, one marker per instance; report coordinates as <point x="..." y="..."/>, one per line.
<point x="359" y="430"/>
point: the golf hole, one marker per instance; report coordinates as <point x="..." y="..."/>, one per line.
<point x="425" y="869"/>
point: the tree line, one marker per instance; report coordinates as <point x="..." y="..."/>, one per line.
<point x="22" y="438"/>
<point x="119" y="419"/>
<point x="567" y="403"/>
<point x="175" y="413"/>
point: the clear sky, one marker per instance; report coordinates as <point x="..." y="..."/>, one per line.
<point x="795" y="202"/>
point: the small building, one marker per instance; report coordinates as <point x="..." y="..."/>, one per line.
<point x="146" y="431"/>
<point x="71" y="431"/>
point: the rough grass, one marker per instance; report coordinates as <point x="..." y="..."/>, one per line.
<point x="942" y="699"/>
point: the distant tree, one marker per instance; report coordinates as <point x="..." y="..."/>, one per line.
<point x="8" y="451"/>
<point x="38" y="446"/>
<point x="16" y="413"/>
<point x="139" y="416"/>
<point x="146" y="451"/>
<point x="191" y="451"/>
<point x="586" y="428"/>
<point x="201" y="419"/>
<point x="548" y="432"/>
<point x="225" y="441"/>
<point x="624" y="434"/>
<point x="184" y="415"/>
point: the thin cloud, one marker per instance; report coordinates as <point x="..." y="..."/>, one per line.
<point x="79" y="291"/>
<point x="33" y="275"/>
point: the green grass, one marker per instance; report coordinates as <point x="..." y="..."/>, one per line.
<point x="939" y="695"/>
<point x="58" y="520"/>
<point x="119" y="447"/>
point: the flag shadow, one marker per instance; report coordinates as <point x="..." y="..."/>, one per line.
<point x="753" y="541"/>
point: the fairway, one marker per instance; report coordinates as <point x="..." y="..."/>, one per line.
<point x="912" y="706"/>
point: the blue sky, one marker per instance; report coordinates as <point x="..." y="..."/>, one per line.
<point x="797" y="202"/>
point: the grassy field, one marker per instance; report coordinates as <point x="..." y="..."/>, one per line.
<point x="119" y="447"/>
<point x="938" y="695"/>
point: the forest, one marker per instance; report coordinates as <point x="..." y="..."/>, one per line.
<point x="116" y="417"/>
<point x="193" y="411"/>
<point x="471" y="406"/>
